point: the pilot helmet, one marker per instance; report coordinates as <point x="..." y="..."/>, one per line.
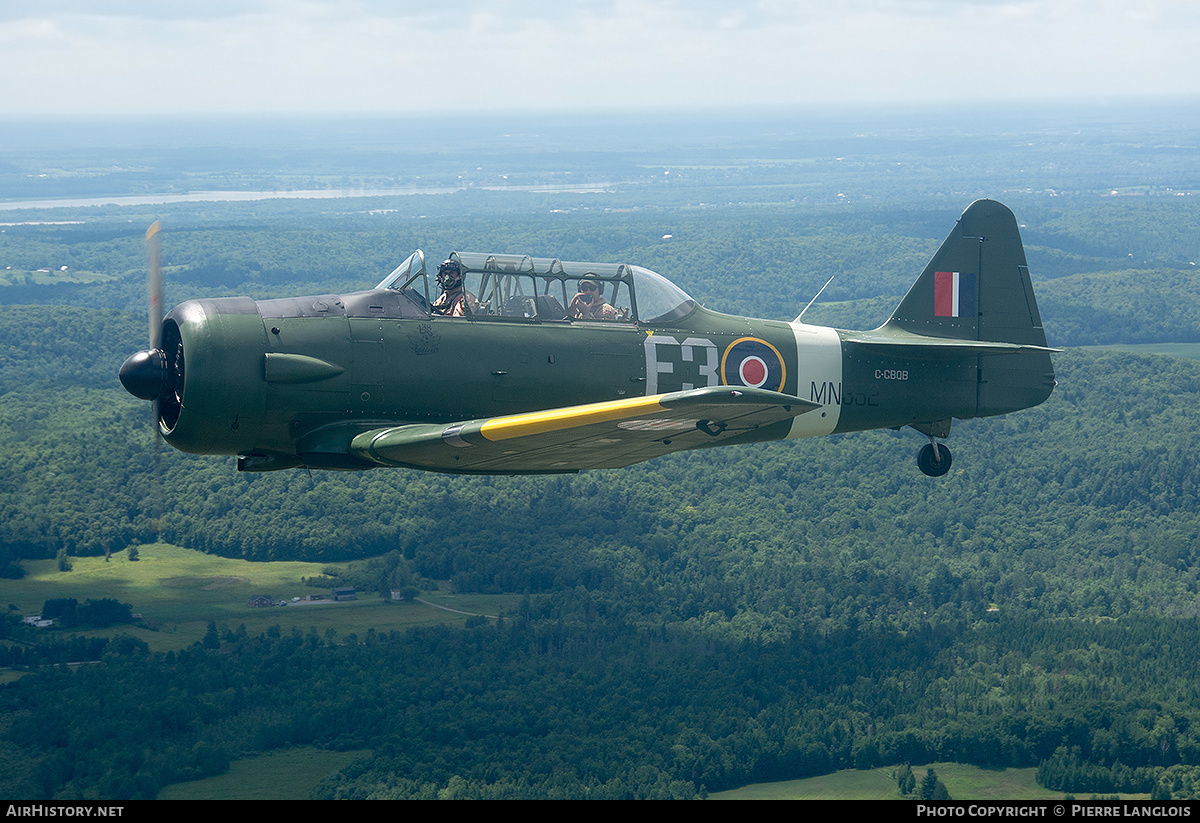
<point x="449" y="274"/>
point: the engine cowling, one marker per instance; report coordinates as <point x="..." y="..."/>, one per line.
<point x="206" y="379"/>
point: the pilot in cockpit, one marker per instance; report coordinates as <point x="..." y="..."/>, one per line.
<point x="455" y="301"/>
<point x="589" y="303"/>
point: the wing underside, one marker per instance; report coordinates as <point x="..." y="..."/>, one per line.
<point x="574" y="438"/>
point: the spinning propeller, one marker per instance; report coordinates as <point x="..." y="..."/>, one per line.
<point x="149" y="374"/>
<point x="156" y="373"/>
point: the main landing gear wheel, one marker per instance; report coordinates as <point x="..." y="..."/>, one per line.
<point x="934" y="459"/>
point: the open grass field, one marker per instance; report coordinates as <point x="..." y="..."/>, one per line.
<point x="1190" y="351"/>
<point x="963" y="782"/>
<point x="177" y="591"/>
<point x="289" y="774"/>
<point x="9" y="277"/>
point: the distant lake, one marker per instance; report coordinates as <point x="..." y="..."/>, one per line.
<point x="302" y="194"/>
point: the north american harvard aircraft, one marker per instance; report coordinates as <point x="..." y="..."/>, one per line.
<point x="526" y="365"/>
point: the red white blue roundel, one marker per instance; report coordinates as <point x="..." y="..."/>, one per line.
<point x="751" y="362"/>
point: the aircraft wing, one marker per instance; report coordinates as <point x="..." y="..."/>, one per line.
<point x="593" y="436"/>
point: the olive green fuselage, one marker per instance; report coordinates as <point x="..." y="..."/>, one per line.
<point x="516" y="364"/>
<point x="290" y="378"/>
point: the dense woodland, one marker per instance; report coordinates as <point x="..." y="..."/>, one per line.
<point x="561" y="702"/>
<point x="691" y="624"/>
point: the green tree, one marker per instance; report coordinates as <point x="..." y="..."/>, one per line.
<point x="932" y="788"/>
<point x="212" y="640"/>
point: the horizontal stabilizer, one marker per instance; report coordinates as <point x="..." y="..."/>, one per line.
<point x="945" y="345"/>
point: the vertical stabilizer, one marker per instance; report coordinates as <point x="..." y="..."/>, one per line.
<point x="977" y="285"/>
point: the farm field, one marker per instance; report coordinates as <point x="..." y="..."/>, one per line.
<point x="289" y="774"/>
<point x="178" y="591"/>
<point x="1190" y="351"/>
<point x="962" y="781"/>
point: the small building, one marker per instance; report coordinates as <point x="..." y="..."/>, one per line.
<point x="260" y="601"/>
<point x="344" y="593"/>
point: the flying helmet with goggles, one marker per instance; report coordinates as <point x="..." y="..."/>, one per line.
<point x="449" y="274"/>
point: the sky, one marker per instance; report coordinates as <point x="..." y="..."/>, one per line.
<point x="85" y="57"/>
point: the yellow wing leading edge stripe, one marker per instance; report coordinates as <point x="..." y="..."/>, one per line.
<point x="522" y="425"/>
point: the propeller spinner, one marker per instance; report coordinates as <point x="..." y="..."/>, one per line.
<point x="144" y="374"/>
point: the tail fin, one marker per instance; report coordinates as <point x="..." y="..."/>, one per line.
<point x="977" y="287"/>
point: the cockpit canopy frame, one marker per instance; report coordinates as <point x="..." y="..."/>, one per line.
<point x="539" y="289"/>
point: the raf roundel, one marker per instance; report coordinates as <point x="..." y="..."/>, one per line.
<point x="755" y="363"/>
<point x="753" y="371"/>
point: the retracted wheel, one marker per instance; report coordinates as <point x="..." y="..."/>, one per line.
<point x="934" y="459"/>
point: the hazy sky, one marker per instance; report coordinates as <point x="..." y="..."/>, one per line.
<point x="125" y="56"/>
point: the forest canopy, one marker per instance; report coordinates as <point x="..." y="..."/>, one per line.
<point x="689" y="624"/>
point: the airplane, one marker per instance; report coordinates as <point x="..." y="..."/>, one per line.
<point x="519" y="367"/>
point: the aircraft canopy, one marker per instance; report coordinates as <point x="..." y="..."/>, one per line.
<point x="542" y="288"/>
